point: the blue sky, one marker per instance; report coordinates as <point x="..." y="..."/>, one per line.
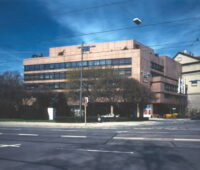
<point x="33" y="26"/>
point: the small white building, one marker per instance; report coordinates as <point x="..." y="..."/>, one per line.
<point x="191" y="76"/>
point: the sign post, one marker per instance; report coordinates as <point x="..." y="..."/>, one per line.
<point x="86" y="100"/>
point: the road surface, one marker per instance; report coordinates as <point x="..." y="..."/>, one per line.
<point x="153" y="145"/>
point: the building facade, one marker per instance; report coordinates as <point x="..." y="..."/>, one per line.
<point x="130" y="58"/>
<point x="191" y="76"/>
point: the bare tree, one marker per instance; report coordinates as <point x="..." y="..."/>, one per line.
<point x="104" y="85"/>
<point x="11" y="94"/>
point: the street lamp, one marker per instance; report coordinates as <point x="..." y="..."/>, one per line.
<point x="83" y="49"/>
<point x="137" y="21"/>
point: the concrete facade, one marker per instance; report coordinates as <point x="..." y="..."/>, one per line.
<point x="130" y="57"/>
<point x="191" y="75"/>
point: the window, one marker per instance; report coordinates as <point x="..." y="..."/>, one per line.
<point x="154" y="74"/>
<point x="96" y="63"/>
<point x="102" y="62"/>
<point x="85" y="64"/>
<point x="56" y="85"/>
<point x="41" y="67"/>
<point x="62" y="75"/>
<point x="194" y="82"/>
<point x="115" y="61"/>
<point x="61" y="65"/>
<point x="50" y="75"/>
<point x="52" y="66"/>
<point x="74" y="64"/>
<point x="123" y="71"/>
<point x="157" y="67"/>
<point x="46" y="76"/>
<point x="46" y="66"/>
<point x="108" y="62"/>
<point x="170" y="87"/>
<point x="41" y="76"/>
<point x="136" y="46"/>
<point x="127" y="61"/>
<point x="56" y="76"/>
<point x="67" y="65"/>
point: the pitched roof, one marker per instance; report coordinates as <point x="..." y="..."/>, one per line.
<point x="188" y="55"/>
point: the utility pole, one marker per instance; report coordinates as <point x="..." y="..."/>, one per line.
<point x="81" y="80"/>
<point x="83" y="48"/>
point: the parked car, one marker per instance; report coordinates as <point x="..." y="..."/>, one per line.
<point x="170" y="115"/>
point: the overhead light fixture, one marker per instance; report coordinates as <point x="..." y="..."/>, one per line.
<point x="137" y="21"/>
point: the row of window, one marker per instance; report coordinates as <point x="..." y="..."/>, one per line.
<point x="154" y="74"/>
<point x="106" y="62"/>
<point x="63" y="75"/>
<point x="170" y="87"/>
<point x="157" y="67"/>
<point x="45" y="76"/>
<point x="57" y="85"/>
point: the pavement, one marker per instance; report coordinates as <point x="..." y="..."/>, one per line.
<point x="152" y="121"/>
<point x="157" y="144"/>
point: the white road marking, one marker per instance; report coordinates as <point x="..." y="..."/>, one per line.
<point x="188" y="140"/>
<point x="122" y="131"/>
<point x="1" y="133"/>
<point x="150" y="132"/>
<point x="70" y="136"/>
<point x="26" y="134"/>
<point x="157" y="139"/>
<point x="10" y="128"/>
<point x="104" y="151"/>
<point x="13" y="145"/>
<point x="62" y="130"/>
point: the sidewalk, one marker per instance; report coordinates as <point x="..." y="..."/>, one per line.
<point x="75" y="125"/>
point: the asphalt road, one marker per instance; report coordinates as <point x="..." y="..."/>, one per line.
<point x="164" y="145"/>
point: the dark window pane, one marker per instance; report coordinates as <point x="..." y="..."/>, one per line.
<point x="74" y="64"/>
<point x="68" y="65"/>
<point x="108" y="62"/>
<point x="102" y="62"/>
<point x="85" y="63"/>
<point x="62" y="65"/>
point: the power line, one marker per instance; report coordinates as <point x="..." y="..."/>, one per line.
<point x="107" y="31"/>
<point x="106" y="51"/>
<point x="72" y="11"/>
<point x="151" y="46"/>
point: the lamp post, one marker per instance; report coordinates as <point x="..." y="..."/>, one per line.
<point x="83" y="49"/>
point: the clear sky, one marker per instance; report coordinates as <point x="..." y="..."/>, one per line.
<point x="33" y="26"/>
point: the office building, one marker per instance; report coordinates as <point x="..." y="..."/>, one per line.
<point x="130" y="58"/>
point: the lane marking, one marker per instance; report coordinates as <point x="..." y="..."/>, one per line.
<point x="13" y="145"/>
<point x="10" y="128"/>
<point x="150" y="132"/>
<point x="70" y="136"/>
<point x="188" y="140"/>
<point x="1" y="133"/>
<point x="157" y="139"/>
<point x="122" y="131"/>
<point x="65" y="130"/>
<point x="26" y="134"/>
<point x="104" y="151"/>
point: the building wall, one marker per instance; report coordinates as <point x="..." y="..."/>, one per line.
<point x="191" y="76"/>
<point x="158" y="73"/>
